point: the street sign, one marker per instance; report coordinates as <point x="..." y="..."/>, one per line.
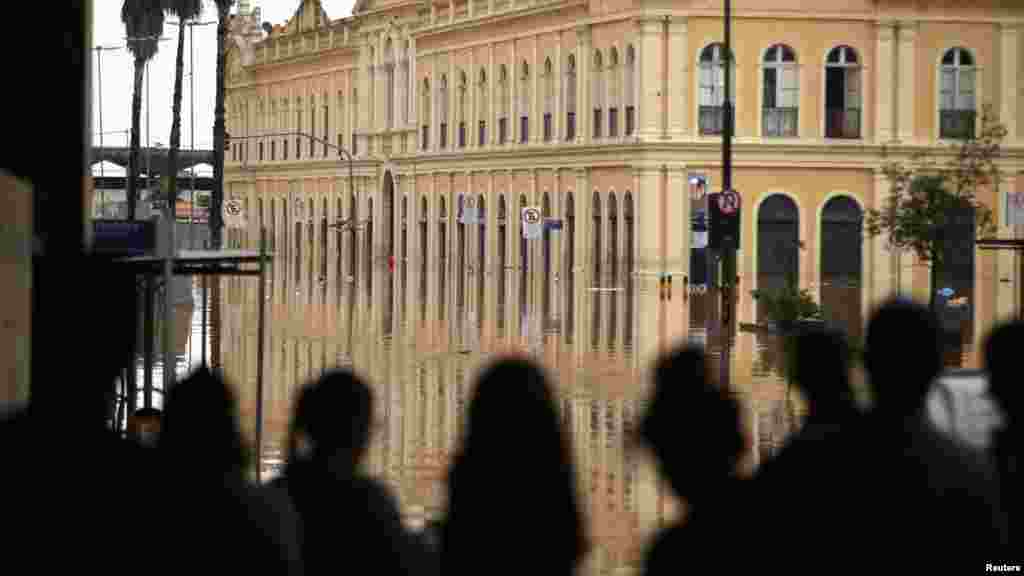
<point x="729" y="202"/>
<point x="531" y="223"/>
<point x="725" y="212"/>
<point x="234" y="217"/>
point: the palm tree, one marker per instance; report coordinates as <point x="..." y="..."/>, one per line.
<point x="223" y="7"/>
<point x="143" y="22"/>
<point x="185" y="10"/>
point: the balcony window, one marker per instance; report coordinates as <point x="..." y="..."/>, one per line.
<point x="842" y="94"/>
<point x="957" y="110"/>
<point x="781" y="92"/>
<point x="780" y="121"/>
<point x="613" y="122"/>
<point x="957" y="124"/>
<point x="713" y="63"/>
<point x="547" y="127"/>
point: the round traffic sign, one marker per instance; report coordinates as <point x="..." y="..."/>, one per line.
<point x="531" y="215"/>
<point x="729" y="202"/>
<point x="233" y="207"/>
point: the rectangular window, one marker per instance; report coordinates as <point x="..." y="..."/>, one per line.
<point x="273" y="150"/>
<point x="570" y="126"/>
<point x="613" y="122"/>
<point x="462" y="134"/>
<point x="261" y="152"/>
<point x="781" y="102"/>
<point x="284" y="149"/>
<point x="298" y="148"/>
<point x="547" y="127"/>
<point x="482" y="133"/>
<point x="630" y="120"/>
<point x="712" y="119"/>
<point x="444" y="135"/>
<point x="502" y="130"/>
<point x="426" y="137"/>
<point x="597" y="122"/>
<point x="524" y="129"/>
<point x="355" y="144"/>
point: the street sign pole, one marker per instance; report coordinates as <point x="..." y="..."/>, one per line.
<point x="728" y="250"/>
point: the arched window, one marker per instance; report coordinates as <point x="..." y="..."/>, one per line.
<point x="842" y="93"/>
<point x="312" y="125"/>
<point x="957" y="110"/>
<point x="371" y="101"/>
<point x="841" y="241"/>
<point x="502" y="261"/>
<point x="570" y="267"/>
<point x="597" y="98"/>
<point x="629" y="90"/>
<point x="614" y="92"/>
<point x="406" y="84"/>
<point x="778" y="244"/>
<point x="298" y="128"/>
<point x="524" y="103"/>
<point x="549" y="99"/>
<point x="481" y="105"/>
<point x="712" y="88"/>
<point x="627" y="249"/>
<point x="389" y="84"/>
<point x="463" y="88"/>
<point x="355" y="121"/>
<point x="442" y="104"/>
<point x="504" y="97"/>
<point x="327" y="123"/>
<point x="570" y="98"/>
<point x="781" y="104"/>
<point x="597" y="257"/>
<point x="425" y="113"/>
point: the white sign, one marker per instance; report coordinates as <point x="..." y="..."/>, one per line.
<point x="532" y="226"/>
<point x="234" y="217"/>
<point x="698" y="240"/>
<point x="1015" y="209"/>
<point x="470" y="211"/>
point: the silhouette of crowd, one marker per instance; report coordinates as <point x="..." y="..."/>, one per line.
<point x="853" y="490"/>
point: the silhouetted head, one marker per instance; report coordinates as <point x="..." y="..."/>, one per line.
<point x="200" y="426"/>
<point x="1003" y="349"/>
<point x="692" y="427"/>
<point x="903" y="357"/>
<point x="332" y="420"/>
<point x="515" y="446"/>
<point x="821" y="370"/>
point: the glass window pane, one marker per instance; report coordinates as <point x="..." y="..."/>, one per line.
<point x="853" y="88"/>
<point x="770" y="88"/>
<point x="851" y="56"/>
<point x="965" y="58"/>
<point x="788" y="55"/>
<point x="948" y="57"/>
<point x="833" y="56"/>
<point x="772" y="54"/>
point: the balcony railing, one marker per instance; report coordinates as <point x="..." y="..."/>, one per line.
<point x="957" y="124"/>
<point x="444" y="135"/>
<point x="712" y="120"/>
<point x="597" y="122"/>
<point x="842" y="123"/>
<point x="524" y="129"/>
<point x="630" y="120"/>
<point x="426" y="137"/>
<point x="779" y="121"/>
<point x="570" y="126"/>
<point x="482" y="133"/>
<point x="462" y="134"/>
<point x="547" y="127"/>
<point x="502" y="130"/>
<point x="613" y="122"/>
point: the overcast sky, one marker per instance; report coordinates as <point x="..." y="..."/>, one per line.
<point x="112" y="71"/>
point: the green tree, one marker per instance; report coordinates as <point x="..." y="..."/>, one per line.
<point x="143" y="23"/>
<point x="216" y="221"/>
<point x="185" y="10"/>
<point x="926" y="194"/>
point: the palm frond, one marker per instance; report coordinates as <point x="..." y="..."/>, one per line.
<point x="144" y="23"/>
<point x="183" y="9"/>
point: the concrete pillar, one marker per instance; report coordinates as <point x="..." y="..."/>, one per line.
<point x="581" y="269"/>
<point x="1009" y="36"/>
<point x="583" y="88"/>
<point x="559" y="72"/>
<point x="492" y="87"/>
<point x="885" y="113"/>
<point x="678" y="73"/>
<point x="452" y="103"/>
<point x="907" y="80"/>
<point x="649" y="51"/>
<point x="882" y="281"/>
<point x="472" y="78"/>
<point x="514" y="72"/>
<point x="676" y="212"/>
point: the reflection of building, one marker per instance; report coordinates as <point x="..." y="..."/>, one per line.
<point x="596" y="113"/>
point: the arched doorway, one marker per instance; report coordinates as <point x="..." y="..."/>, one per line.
<point x="368" y="243"/>
<point x="388" y="199"/>
<point x="311" y="263"/>
<point x="403" y="254"/>
<point x="481" y="257"/>
<point x="613" y="264"/>
<point x="460" y="267"/>
<point x="627" y="216"/>
<point x="501" y="262"/>
<point x="523" y="269"/>
<point x="596" y="278"/>
<point x="424" y="214"/>
<point x="442" y="254"/>
<point x="840" y="269"/>
<point x="339" y="245"/>
<point x="778" y="248"/>
<point x="353" y="244"/>
<point x="570" y="267"/>
<point x="323" y="253"/>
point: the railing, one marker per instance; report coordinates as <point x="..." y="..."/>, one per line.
<point x="630" y="120"/>
<point x="779" y="121"/>
<point x="444" y="135"/>
<point x="524" y="129"/>
<point x="712" y="119"/>
<point x="570" y="126"/>
<point x="957" y="124"/>
<point x="547" y="127"/>
<point x="613" y="122"/>
<point x="597" y="122"/>
<point x="502" y="130"/>
<point x="842" y="123"/>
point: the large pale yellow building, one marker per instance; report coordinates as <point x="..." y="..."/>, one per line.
<point x="597" y="112"/>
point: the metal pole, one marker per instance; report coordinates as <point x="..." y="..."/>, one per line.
<point x="192" y="134"/>
<point x="729" y="249"/>
<point x="261" y="331"/>
<point x="147" y="344"/>
<point x="203" y="321"/>
<point x="99" y="81"/>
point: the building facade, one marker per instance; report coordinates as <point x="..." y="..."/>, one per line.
<point x="598" y="113"/>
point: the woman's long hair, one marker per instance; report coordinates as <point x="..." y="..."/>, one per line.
<point x="514" y="470"/>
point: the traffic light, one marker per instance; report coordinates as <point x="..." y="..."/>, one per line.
<point x="724" y="209"/>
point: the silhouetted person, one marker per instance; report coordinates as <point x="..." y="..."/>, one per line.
<point x="1002" y="361"/>
<point x="921" y="492"/>
<point x="66" y="475"/>
<point x="217" y="522"/>
<point x="512" y="501"/>
<point x="693" y="429"/>
<point x="340" y="508"/>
